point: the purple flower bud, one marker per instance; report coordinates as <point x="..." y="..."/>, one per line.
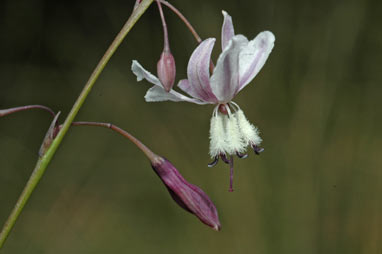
<point x="166" y="70"/>
<point x="188" y="196"/>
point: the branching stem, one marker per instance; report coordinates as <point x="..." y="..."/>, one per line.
<point x="150" y="155"/>
<point x="4" y="112"/>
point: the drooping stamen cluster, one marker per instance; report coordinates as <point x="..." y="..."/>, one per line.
<point x="230" y="134"/>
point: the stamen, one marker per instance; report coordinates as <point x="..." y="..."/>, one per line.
<point x="218" y="142"/>
<point x="234" y="105"/>
<point x="257" y="149"/>
<point x="235" y="142"/>
<point x="242" y="155"/>
<point x="231" y="174"/>
<point x="224" y="158"/>
<point x="212" y="164"/>
<point x="249" y="132"/>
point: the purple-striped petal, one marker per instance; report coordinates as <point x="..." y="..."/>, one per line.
<point x="157" y="92"/>
<point x="225" y="78"/>
<point x="227" y="30"/>
<point x="186" y="87"/>
<point x="254" y="55"/>
<point x="198" y="71"/>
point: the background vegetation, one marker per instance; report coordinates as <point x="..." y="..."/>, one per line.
<point x="316" y="188"/>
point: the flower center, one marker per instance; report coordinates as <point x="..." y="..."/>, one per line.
<point x="223" y="109"/>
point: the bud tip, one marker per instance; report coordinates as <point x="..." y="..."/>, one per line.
<point x="217" y="228"/>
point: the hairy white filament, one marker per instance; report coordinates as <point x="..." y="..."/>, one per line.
<point x="249" y="133"/>
<point x="234" y="138"/>
<point x="218" y="142"/>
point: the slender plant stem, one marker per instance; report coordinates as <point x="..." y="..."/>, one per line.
<point x="122" y="132"/>
<point x="165" y="33"/>
<point x="180" y="15"/>
<point x="44" y="161"/>
<point x="4" y="112"/>
<point x="137" y="2"/>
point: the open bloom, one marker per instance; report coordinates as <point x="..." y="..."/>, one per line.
<point x="237" y="65"/>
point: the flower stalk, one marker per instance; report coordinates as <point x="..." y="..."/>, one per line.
<point x="149" y="154"/>
<point x="8" y="111"/>
<point x="185" y="21"/>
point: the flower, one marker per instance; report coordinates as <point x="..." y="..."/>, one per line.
<point x="240" y="61"/>
<point x="188" y="196"/>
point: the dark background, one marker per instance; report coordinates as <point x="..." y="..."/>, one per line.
<point x="316" y="188"/>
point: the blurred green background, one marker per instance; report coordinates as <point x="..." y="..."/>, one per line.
<point x="316" y="188"/>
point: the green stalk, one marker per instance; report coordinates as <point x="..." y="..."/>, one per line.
<point x="44" y="161"/>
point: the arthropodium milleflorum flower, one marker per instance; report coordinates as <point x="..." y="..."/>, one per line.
<point x="240" y="61"/>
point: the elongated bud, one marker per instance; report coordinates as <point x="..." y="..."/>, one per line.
<point x="166" y="70"/>
<point x="188" y="196"/>
<point x="49" y="136"/>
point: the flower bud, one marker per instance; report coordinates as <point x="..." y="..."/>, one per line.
<point x="188" y="196"/>
<point x="166" y="70"/>
<point x="49" y="136"/>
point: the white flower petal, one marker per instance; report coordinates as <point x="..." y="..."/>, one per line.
<point x="142" y="73"/>
<point x="198" y="72"/>
<point x="227" y="30"/>
<point x="254" y="55"/>
<point x="186" y="87"/>
<point x="225" y="78"/>
<point x="157" y="92"/>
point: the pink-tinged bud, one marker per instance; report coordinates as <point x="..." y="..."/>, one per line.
<point x="188" y="196"/>
<point x="166" y="70"/>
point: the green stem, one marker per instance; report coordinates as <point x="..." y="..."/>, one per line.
<point x="44" y="161"/>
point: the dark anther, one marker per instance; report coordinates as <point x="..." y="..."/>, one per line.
<point x="210" y="165"/>
<point x="242" y="155"/>
<point x="257" y="149"/>
<point x="224" y="158"/>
